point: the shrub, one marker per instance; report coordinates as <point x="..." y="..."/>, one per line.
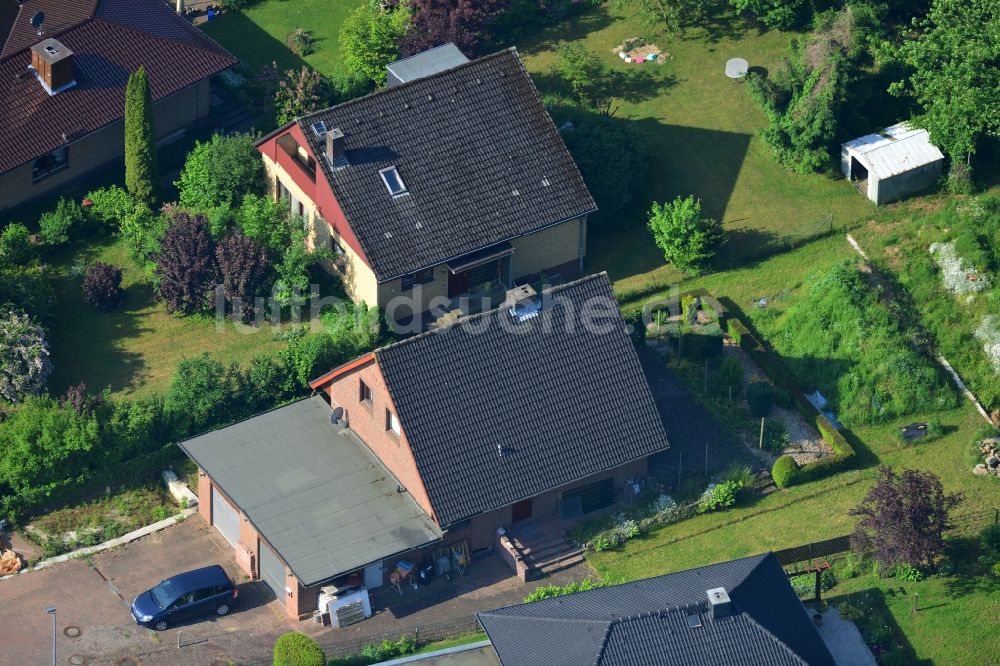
<point x="295" y="649"/>
<point x="199" y="396"/>
<point x="935" y="430"/>
<point x="186" y="265"/>
<point x="265" y="220"/>
<point x="306" y="356"/>
<point x="775" y="14"/>
<point x="102" y="286"/>
<point x="760" y="398"/>
<point x="242" y="264"/>
<point x="301" y="42"/>
<point x="369" y="39"/>
<point x="110" y="205"/>
<point x="908" y="573"/>
<point x="24" y="356"/>
<point x="15" y="244"/>
<point x="730" y="377"/>
<point x="54" y="226"/>
<point x="220" y="172"/>
<point x="550" y="591"/>
<point x="718" y="496"/>
<point x="785" y="471"/>
<point x="776" y="437"/>
<point x="142" y="232"/>
<point x="736" y="330"/>
<point x="299" y="93"/>
<point x="700" y="345"/>
<point x="687" y="239"/>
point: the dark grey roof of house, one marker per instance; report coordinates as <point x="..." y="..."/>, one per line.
<point x="646" y="622"/>
<point x="313" y="490"/>
<point x="463" y="141"/>
<point x="563" y="400"/>
<point x="431" y="61"/>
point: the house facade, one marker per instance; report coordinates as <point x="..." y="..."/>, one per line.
<point x="535" y="413"/>
<point x="63" y="112"/>
<point x="453" y="183"/>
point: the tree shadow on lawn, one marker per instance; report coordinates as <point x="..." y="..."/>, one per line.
<point x="681" y="161"/>
<point x="571" y="29"/>
<point x="716" y="21"/>
<point x="875" y="609"/>
<point x="631" y="85"/>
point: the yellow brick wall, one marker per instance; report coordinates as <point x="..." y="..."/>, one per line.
<point x="549" y="247"/>
<point x="103" y="146"/>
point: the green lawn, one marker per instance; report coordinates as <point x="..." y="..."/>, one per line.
<point x="257" y="35"/>
<point x="135" y="349"/>
<point x="701" y="128"/>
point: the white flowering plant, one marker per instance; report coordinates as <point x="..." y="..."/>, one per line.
<point x="958" y="275"/>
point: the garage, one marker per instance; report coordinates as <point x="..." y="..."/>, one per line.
<point x="224" y="517"/>
<point x="272" y="570"/>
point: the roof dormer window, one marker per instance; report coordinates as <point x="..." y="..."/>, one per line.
<point x="393" y="181"/>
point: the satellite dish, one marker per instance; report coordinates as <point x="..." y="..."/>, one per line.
<point x="37" y="20"/>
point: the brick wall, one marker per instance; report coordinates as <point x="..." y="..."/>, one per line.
<point x="369" y="422"/>
<point x="104" y="146"/>
<point x="540" y="251"/>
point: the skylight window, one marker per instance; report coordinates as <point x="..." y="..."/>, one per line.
<point x="393" y="181"/>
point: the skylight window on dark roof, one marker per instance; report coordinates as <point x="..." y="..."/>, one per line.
<point x="694" y="620"/>
<point x="319" y="128"/>
<point x="393" y="181"/>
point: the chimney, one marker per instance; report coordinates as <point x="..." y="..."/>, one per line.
<point x="719" y="604"/>
<point x="53" y="64"/>
<point x="336" y="150"/>
<point x="523" y="303"/>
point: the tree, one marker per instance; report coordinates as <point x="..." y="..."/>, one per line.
<point x="903" y="518"/>
<point x="200" y="395"/>
<point x="760" y="398"/>
<point x="583" y="71"/>
<point x="142" y="232"/>
<point x="265" y="220"/>
<point x="295" y="649"/>
<point x="687" y="239"/>
<point x="775" y="14"/>
<point x="102" y="286"/>
<point x="954" y="74"/>
<point x="242" y="263"/>
<point x="463" y="22"/>
<point x="140" y="139"/>
<point x="54" y="226"/>
<point x="608" y="153"/>
<point x="24" y="356"/>
<point x="299" y="93"/>
<point x="673" y="16"/>
<point x="110" y="205"/>
<point x="369" y="39"/>
<point x="185" y="264"/>
<point x="15" y="244"/>
<point x="220" y="172"/>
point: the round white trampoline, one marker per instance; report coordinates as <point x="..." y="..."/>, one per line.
<point x="736" y="68"/>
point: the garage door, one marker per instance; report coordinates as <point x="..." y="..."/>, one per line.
<point x="224" y="517"/>
<point x="272" y="571"/>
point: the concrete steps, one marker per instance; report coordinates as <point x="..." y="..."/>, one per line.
<point x="547" y="554"/>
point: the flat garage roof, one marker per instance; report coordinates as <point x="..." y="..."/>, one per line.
<point x="313" y="490"/>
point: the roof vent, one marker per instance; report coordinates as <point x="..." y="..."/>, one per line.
<point x="336" y="146"/>
<point x="523" y="302"/>
<point x="719" y="603"/>
<point x="53" y="65"/>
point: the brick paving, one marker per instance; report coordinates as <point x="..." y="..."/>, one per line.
<point x="94" y="595"/>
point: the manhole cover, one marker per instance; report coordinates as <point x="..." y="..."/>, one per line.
<point x="71" y="631"/>
<point x="77" y="660"/>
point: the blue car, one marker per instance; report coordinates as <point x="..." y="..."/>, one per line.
<point x="185" y="596"/>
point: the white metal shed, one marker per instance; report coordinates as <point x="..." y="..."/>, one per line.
<point x="889" y="165"/>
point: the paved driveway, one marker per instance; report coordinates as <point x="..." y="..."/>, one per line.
<point x="93" y="597"/>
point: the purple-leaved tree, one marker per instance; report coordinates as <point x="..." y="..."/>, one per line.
<point x="242" y="263"/>
<point x="185" y="264"/>
<point x="903" y="518"/>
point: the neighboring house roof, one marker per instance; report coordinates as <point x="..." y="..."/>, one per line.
<point x="425" y="63"/>
<point x="313" y="490"/>
<point x="558" y="399"/>
<point x="646" y="622"/>
<point x="480" y="157"/>
<point x="109" y="39"/>
<point x="898" y="149"/>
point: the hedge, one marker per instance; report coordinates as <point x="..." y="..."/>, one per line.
<point x="295" y="649"/>
<point x="843" y="452"/>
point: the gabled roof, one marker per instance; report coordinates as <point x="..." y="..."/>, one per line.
<point x="646" y="622"/>
<point x="481" y="159"/>
<point x="109" y="39"/>
<point x="497" y="411"/>
<point x="313" y="490"/>
<point x="898" y="149"/>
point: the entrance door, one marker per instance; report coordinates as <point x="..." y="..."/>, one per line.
<point x="373" y="575"/>
<point x="521" y="511"/>
<point x="272" y="571"/>
<point x="225" y="517"/>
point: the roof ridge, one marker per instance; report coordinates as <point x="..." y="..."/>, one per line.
<point x="162" y="38"/>
<point x="3" y="45"/>
<point x="402" y="86"/>
<point x="479" y="315"/>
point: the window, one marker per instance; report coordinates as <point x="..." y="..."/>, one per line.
<point x="47" y="165"/>
<point x="391" y="423"/>
<point x="365" y="393"/>
<point x="420" y="277"/>
<point x="393" y="181"/>
<point x="205" y="593"/>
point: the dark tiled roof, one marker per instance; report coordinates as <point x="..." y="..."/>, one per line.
<point x="463" y="141"/>
<point x="646" y="622"/>
<point x="561" y="400"/>
<point x="59" y="15"/>
<point x="107" y="47"/>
